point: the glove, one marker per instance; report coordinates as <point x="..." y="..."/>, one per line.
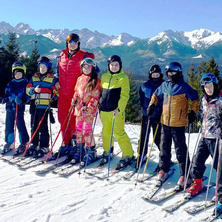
<point x="18" y="100"/>
<point x="12" y="98"/>
<point x="51" y="117"/>
<point x="191" y="116"/>
<point x="115" y="112"/>
<point x="150" y="109"/>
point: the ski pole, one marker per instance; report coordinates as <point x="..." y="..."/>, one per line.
<point x="211" y="169"/>
<point x="33" y="135"/>
<point x="139" y="142"/>
<point x="148" y="157"/>
<point x="218" y="174"/>
<point x="194" y="151"/>
<point x="15" y="126"/>
<point x="82" y="144"/>
<point x="50" y="129"/>
<point x="187" y="154"/>
<point x="110" y="145"/>
<point x="68" y="116"/>
<point x="144" y="145"/>
<point x="37" y="128"/>
<point x="94" y="124"/>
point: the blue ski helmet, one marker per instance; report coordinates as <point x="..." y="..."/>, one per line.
<point x="174" y="67"/>
<point x="46" y="61"/>
<point x="208" y="78"/>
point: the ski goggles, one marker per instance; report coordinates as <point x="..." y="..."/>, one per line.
<point x="171" y="73"/>
<point x="206" y="80"/>
<point x="88" y="61"/>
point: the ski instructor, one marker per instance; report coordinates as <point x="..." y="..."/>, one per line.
<point x="69" y="70"/>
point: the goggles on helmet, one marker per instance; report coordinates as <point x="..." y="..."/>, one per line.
<point x="171" y="73"/>
<point x="88" y="61"/>
<point x="208" y="78"/>
<point x="205" y="81"/>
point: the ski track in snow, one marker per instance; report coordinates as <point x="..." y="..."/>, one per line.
<point x="27" y="197"/>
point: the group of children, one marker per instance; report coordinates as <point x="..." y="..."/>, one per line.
<point x="173" y="97"/>
<point x="165" y="107"/>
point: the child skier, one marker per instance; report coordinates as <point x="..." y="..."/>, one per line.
<point x="85" y="100"/>
<point x="145" y="93"/>
<point x="41" y="88"/>
<point x="211" y="107"/>
<point x="174" y="94"/>
<point x="15" y="96"/>
<point x="112" y="103"/>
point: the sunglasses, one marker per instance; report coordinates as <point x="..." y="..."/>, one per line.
<point x="206" y="80"/>
<point x="73" y="41"/>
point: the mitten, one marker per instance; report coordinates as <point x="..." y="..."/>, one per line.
<point x="18" y="100"/>
<point x="191" y="116"/>
<point x="150" y="109"/>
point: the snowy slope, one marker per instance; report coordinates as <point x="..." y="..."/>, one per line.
<point x="26" y="197"/>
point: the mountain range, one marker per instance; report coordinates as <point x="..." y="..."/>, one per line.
<point x="137" y="54"/>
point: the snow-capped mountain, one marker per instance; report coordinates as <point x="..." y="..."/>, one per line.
<point x="196" y="39"/>
<point x="137" y="54"/>
<point x="88" y="38"/>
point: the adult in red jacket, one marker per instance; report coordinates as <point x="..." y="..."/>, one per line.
<point x="68" y="72"/>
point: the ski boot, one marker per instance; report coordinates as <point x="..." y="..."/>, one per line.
<point x="139" y="160"/>
<point x="41" y="152"/>
<point x="78" y="154"/>
<point x="161" y="177"/>
<point x="125" y="161"/>
<point x="105" y="157"/>
<point x="7" y="147"/>
<point x="32" y="150"/>
<point x="21" y="148"/>
<point x="181" y="183"/>
<point x="196" y="186"/>
<point x="64" y="150"/>
<point x="90" y="156"/>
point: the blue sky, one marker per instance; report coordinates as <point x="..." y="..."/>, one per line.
<point x="140" y="18"/>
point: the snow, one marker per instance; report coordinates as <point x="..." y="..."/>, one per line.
<point x="27" y="197"/>
<point x="203" y="37"/>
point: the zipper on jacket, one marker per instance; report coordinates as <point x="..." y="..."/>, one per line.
<point x="110" y="81"/>
<point x="206" y="118"/>
<point x="169" y="110"/>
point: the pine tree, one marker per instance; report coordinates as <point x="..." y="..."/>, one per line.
<point x="31" y="62"/>
<point x="9" y="55"/>
<point x="212" y="67"/>
<point x="194" y="79"/>
<point x="133" y="106"/>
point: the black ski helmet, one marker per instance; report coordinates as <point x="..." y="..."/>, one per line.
<point x="174" y="67"/>
<point x="46" y="61"/>
<point x="155" y="68"/>
<point x="114" y="58"/>
<point x="73" y="37"/>
<point x="18" y="66"/>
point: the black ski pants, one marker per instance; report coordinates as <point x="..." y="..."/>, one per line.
<point x="177" y="134"/>
<point x="153" y="124"/>
<point x="42" y="135"/>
